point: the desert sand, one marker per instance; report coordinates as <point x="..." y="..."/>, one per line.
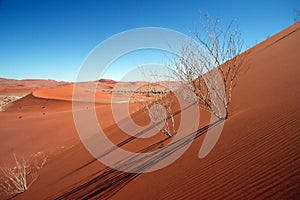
<point x="256" y="157"/>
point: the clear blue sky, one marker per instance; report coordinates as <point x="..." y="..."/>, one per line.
<point x="50" y="39"/>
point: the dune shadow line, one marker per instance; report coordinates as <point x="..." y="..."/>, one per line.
<point x="110" y="181"/>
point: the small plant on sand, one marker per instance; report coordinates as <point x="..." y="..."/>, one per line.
<point x="157" y="103"/>
<point x="18" y="178"/>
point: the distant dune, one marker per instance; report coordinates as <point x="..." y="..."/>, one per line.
<point x="256" y="157"/>
<point x="8" y="86"/>
<point x="107" y="81"/>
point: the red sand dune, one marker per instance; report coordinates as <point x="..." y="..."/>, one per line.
<point x="12" y="86"/>
<point x="256" y="157"/>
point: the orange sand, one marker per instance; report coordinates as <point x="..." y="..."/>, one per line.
<point x="257" y="155"/>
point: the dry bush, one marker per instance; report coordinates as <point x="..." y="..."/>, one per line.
<point x="18" y="178"/>
<point x="156" y="102"/>
<point x="210" y="67"/>
<point x="296" y="15"/>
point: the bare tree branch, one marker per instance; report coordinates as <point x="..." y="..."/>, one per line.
<point x="155" y="101"/>
<point x="17" y="179"/>
<point x="210" y="68"/>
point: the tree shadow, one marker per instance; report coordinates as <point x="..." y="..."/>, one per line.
<point x="109" y="181"/>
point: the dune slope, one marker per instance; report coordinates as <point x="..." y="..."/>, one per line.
<point x="257" y="155"/>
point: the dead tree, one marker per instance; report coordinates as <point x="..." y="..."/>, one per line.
<point x="296" y="15"/>
<point x="210" y="67"/>
<point x="155" y="101"/>
<point x="18" y="178"/>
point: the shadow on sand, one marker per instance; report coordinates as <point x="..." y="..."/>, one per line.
<point x="108" y="182"/>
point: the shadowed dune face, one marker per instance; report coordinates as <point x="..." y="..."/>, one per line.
<point x="257" y="155"/>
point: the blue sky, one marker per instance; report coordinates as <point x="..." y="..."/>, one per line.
<point x="51" y="39"/>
